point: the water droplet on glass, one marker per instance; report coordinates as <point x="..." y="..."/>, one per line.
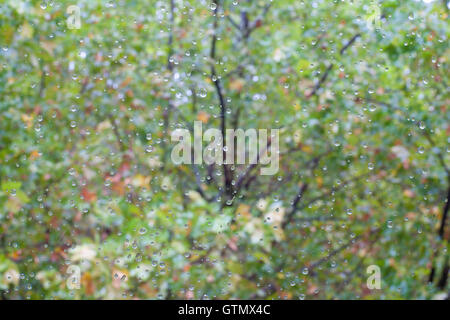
<point x="421" y="125"/>
<point x="202" y="93"/>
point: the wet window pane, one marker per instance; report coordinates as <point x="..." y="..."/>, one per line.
<point x="218" y="149"/>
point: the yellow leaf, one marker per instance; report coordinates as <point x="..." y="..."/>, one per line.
<point x="27" y="31"/>
<point x="237" y="84"/>
<point x="319" y="181"/>
<point x="28" y="119"/>
<point x="140" y="181"/>
<point x="103" y="125"/>
<point x="203" y="117"/>
<point x="6" y="33"/>
<point x="306" y="149"/>
<point x="243" y="209"/>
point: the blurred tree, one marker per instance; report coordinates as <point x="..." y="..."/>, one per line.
<point x="86" y="177"/>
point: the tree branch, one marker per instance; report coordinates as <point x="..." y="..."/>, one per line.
<point x="228" y="178"/>
<point x="330" y="67"/>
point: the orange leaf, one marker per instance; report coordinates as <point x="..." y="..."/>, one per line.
<point x="88" y="196"/>
<point x="203" y="117"/>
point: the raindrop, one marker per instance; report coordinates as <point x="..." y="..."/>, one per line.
<point x="422" y="125"/>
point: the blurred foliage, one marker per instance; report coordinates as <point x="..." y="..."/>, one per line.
<point x="86" y="177"/>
